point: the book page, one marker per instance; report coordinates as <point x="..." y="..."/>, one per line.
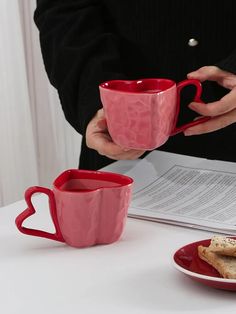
<point x="185" y="190"/>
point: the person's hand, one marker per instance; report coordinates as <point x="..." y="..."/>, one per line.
<point x="98" y="138"/>
<point x="223" y="111"/>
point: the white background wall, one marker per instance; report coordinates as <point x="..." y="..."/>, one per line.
<point x="36" y="141"/>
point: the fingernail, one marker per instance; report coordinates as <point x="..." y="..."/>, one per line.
<point x="188" y="132"/>
<point x="192" y="105"/>
<point x="190" y="74"/>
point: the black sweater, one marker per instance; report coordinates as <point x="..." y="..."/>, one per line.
<point x="86" y="42"/>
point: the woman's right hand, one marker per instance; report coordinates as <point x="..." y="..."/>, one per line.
<point x="98" y="138"/>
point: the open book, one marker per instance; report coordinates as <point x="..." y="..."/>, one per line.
<point x="182" y="190"/>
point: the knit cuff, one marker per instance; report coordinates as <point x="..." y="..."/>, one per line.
<point x="228" y="64"/>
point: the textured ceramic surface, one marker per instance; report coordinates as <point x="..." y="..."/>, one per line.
<point x="87" y="207"/>
<point x="142" y="114"/>
<point x="187" y="261"/>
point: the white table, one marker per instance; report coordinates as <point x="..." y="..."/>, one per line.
<point x="134" y="276"/>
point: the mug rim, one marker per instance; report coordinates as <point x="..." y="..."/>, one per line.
<point x="121" y="179"/>
<point x="104" y="86"/>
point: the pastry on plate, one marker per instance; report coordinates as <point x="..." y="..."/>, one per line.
<point x="221" y="254"/>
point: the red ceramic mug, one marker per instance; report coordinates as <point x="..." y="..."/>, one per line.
<point x="142" y="114"/>
<point x="87" y="207"/>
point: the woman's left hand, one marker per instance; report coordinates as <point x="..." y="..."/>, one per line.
<point x="223" y="111"/>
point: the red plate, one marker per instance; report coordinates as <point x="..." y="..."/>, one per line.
<point x="187" y="261"/>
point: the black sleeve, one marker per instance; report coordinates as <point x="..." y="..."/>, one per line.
<point x="229" y="63"/>
<point x="79" y="52"/>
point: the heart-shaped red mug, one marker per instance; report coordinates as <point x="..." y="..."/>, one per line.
<point x="86" y="207"/>
<point x="143" y="114"/>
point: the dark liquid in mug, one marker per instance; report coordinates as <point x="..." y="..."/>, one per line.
<point x="86" y="185"/>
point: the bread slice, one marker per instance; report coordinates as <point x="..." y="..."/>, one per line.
<point x="223" y="245"/>
<point x="225" y="265"/>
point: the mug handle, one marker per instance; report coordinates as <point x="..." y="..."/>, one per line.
<point x="197" y="98"/>
<point x="30" y="211"/>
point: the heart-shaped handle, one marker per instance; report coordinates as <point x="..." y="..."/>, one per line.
<point x="197" y="98"/>
<point x="30" y="211"/>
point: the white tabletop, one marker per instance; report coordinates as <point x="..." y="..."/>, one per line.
<point x="134" y="275"/>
